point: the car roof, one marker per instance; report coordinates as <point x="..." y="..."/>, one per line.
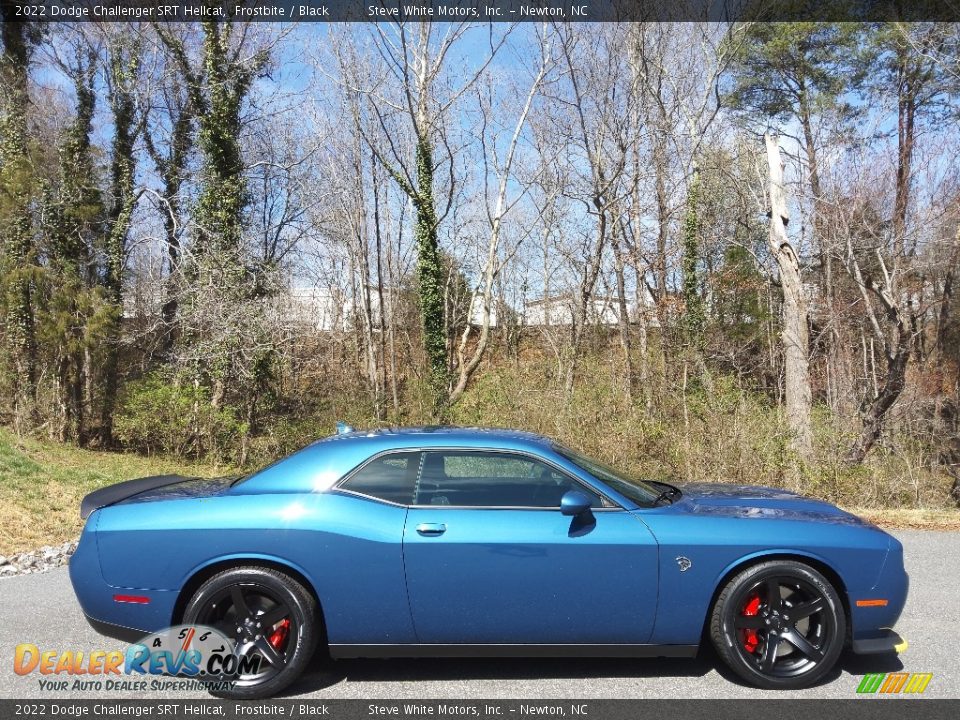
<point x="425" y="435"/>
<point x="328" y="459"/>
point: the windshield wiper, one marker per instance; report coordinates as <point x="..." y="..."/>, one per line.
<point x="671" y="492"/>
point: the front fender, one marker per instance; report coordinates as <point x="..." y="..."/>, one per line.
<point x="712" y="549"/>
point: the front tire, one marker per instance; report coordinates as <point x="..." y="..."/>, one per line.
<point x="269" y="616"/>
<point x="779" y="625"/>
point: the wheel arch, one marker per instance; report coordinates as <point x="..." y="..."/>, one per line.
<point x="201" y="574"/>
<point x="817" y="563"/>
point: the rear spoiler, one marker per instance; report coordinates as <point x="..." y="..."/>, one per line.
<point x="121" y="491"/>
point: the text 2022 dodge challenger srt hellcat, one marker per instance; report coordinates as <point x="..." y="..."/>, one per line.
<point x="443" y="541"/>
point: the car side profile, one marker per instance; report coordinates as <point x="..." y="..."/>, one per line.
<point x="454" y="542"/>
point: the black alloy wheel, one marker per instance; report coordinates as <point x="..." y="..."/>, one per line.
<point x="779" y="624"/>
<point x="272" y="620"/>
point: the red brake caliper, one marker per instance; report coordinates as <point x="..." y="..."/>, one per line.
<point x="750" y="639"/>
<point x="278" y="636"/>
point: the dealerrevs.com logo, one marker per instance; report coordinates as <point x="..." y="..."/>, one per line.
<point x="192" y="652"/>
<point x="894" y="683"/>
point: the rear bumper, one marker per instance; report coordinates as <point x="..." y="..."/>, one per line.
<point x="117" y="632"/>
<point x="889" y="642"/>
<point x="100" y="602"/>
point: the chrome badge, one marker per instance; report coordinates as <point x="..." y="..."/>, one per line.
<point x="684" y="563"/>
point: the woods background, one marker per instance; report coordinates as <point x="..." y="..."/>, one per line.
<point x="219" y="238"/>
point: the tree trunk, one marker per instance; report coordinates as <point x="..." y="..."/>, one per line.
<point x="841" y="386"/>
<point x="906" y="129"/>
<point x="946" y="298"/>
<point x="124" y="62"/>
<point x="381" y="304"/>
<point x="172" y="168"/>
<point x="875" y="412"/>
<point x="588" y="283"/>
<point x="77" y="212"/>
<point x="897" y="353"/>
<point x="365" y="311"/>
<point x="171" y="302"/>
<point x="663" y="219"/>
<point x="795" y="333"/>
<point x="693" y="312"/>
<point x="431" y="279"/>
<point x="623" y="317"/>
<point x="16" y="240"/>
<point x="173" y="173"/>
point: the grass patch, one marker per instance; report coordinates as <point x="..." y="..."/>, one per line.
<point x="42" y="483"/>
<point x="911" y="518"/>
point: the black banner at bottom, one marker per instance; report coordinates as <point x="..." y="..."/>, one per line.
<point x="894" y="708"/>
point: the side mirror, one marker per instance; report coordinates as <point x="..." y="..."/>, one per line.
<point x="574" y="503"/>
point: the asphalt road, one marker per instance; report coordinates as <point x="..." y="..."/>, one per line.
<point x="41" y="609"/>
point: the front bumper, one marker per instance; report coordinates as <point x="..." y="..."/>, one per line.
<point x="886" y="643"/>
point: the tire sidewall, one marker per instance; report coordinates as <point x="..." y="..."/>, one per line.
<point x="301" y="604"/>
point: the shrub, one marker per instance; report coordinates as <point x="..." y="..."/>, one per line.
<point x="159" y="414"/>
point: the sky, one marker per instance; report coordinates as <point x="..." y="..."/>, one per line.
<point x="299" y="96"/>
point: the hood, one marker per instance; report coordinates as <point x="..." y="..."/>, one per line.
<point x="751" y="501"/>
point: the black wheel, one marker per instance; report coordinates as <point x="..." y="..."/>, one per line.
<point x="779" y="625"/>
<point x="270" y="616"/>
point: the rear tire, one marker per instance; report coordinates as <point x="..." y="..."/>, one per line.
<point x="268" y="615"/>
<point x="779" y="625"/>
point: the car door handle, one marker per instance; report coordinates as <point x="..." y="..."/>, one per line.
<point x="431" y="529"/>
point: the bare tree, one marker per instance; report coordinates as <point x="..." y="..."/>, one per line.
<point x="795" y="333"/>
<point x="468" y="362"/>
<point x="169" y="137"/>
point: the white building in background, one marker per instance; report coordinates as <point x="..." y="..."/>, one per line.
<point x="476" y="311"/>
<point x="326" y="309"/>
<point x="317" y="308"/>
<point x="601" y="310"/>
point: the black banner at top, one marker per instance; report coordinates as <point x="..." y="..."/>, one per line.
<point x="486" y="10"/>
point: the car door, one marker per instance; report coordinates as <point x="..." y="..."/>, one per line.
<point x="489" y="557"/>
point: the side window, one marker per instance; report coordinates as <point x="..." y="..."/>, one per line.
<point x="390" y="477"/>
<point x="490" y="479"/>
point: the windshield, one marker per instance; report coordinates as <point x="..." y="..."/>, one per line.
<point x="637" y="490"/>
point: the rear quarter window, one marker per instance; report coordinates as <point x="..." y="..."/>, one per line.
<point x="390" y="477"/>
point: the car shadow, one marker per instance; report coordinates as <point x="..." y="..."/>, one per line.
<point x="863" y="664"/>
<point x="324" y="673"/>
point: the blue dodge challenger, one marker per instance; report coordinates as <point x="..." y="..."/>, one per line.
<point x="456" y="542"/>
